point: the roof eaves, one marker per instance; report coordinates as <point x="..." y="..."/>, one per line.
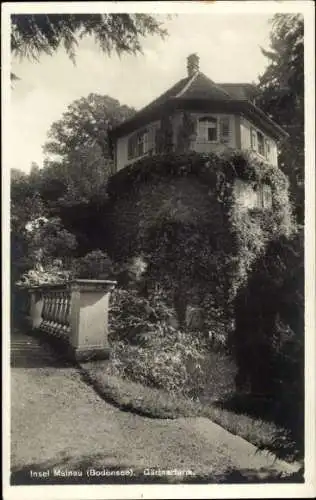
<point x="253" y="108"/>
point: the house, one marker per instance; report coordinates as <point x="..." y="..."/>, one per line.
<point x="196" y="114"/>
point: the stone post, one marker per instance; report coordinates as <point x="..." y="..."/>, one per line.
<point x="89" y="308"/>
<point x="36" y="307"/>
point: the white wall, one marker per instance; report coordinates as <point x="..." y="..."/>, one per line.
<point x="202" y="146"/>
<point x="245" y="136"/>
<point x="122" y="147"/>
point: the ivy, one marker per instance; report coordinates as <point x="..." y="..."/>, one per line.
<point x="180" y="212"/>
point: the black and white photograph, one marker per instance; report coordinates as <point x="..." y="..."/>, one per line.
<point x="159" y="266"/>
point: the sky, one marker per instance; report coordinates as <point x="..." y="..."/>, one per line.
<point x="228" y="47"/>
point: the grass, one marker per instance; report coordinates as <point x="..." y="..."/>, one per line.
<point x="156" y="403"/>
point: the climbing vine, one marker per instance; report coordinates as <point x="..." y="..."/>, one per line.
<point x="180" y="211"/>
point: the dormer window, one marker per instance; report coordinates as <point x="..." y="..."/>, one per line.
<point x="208" y="129"/>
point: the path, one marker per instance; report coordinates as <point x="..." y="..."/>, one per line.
<point x="59" y="421"/>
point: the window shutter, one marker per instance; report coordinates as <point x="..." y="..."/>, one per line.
<point x="145" y="141"/>
<point x="151" y="139"/>
<point x="224" y="129"/>
<point x="130" y="147"/>
<point x="253" y="139"/>
<point x="202" y="130"/>
<point x="139" y="144"/>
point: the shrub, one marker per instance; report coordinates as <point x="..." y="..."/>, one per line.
<point x="167" y="359"/>
<point x="94" y="265"/>
<point x="146" y="348"/>
<point x="268" y="343"/>
<point x="133" y="317"/>
<point x="51" y="274"/>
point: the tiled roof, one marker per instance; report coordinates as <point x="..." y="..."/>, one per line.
<point x="240" y="90"/>
<point x="202" y="87"/>
<point x="199" y="88"/>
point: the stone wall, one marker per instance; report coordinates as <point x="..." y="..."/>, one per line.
<point x="158" y="220"/>
<point x="181" y="214"/>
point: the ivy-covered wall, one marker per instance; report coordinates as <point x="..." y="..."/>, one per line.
<point x="181" y="213"/>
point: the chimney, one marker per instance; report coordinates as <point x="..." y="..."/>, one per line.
<point x="193" y="64"/>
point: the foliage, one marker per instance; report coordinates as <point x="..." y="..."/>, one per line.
<point x="268" y="344"/>
<point x="146" y="348"/>
<point x="52" y="274"/>
<point x="32" y="35"/>
<point x="26" y="206"/>
<point x="170" y="360"/>
<point x="133" y="317"/>
<point x="78" y="151"/>
<point x="64" y="199"/>
<point x="180" y="212"/>
<point x="86" y="123"/>
<point x="164" y="135"/>
<point x="48" y="239"/>
<point x="186" y="131"/>
<point x="37" y="238"/>
<point x="94" y="265"/>
<point x="282" y="97"/>
<point x="78" y="164"/>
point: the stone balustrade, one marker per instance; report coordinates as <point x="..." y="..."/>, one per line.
<point x="75" y="312"/>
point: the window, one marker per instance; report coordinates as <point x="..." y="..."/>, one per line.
<point x="142" y="143"/>
<point x="208" y="129"/>
<point x="259" y="143"/>
<point x="138" y="144"/>
<point x="260" y="139"/>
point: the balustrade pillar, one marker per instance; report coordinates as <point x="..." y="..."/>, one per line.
<point x="76" y="312"/>
<point x="36" y="307"/>
<point x="89" y="308"/>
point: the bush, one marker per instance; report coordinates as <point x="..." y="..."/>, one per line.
<point x="169" y="360"/>
<point x="94" y="265"/>
<point x="51" y="274"/>
<point x="268" y="343"/>
<point x="133" y="317"/>
<point x="146" y="348"/>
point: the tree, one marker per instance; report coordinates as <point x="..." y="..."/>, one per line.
<point x="26" y="206"/>
<point x="33" y="35"/>
<point x="268" y="343"/>
<point x="78" y="163"/>
<point x="78" y="151"/>
<point x="85" y="124"/>
<point x="282" y="97"/>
